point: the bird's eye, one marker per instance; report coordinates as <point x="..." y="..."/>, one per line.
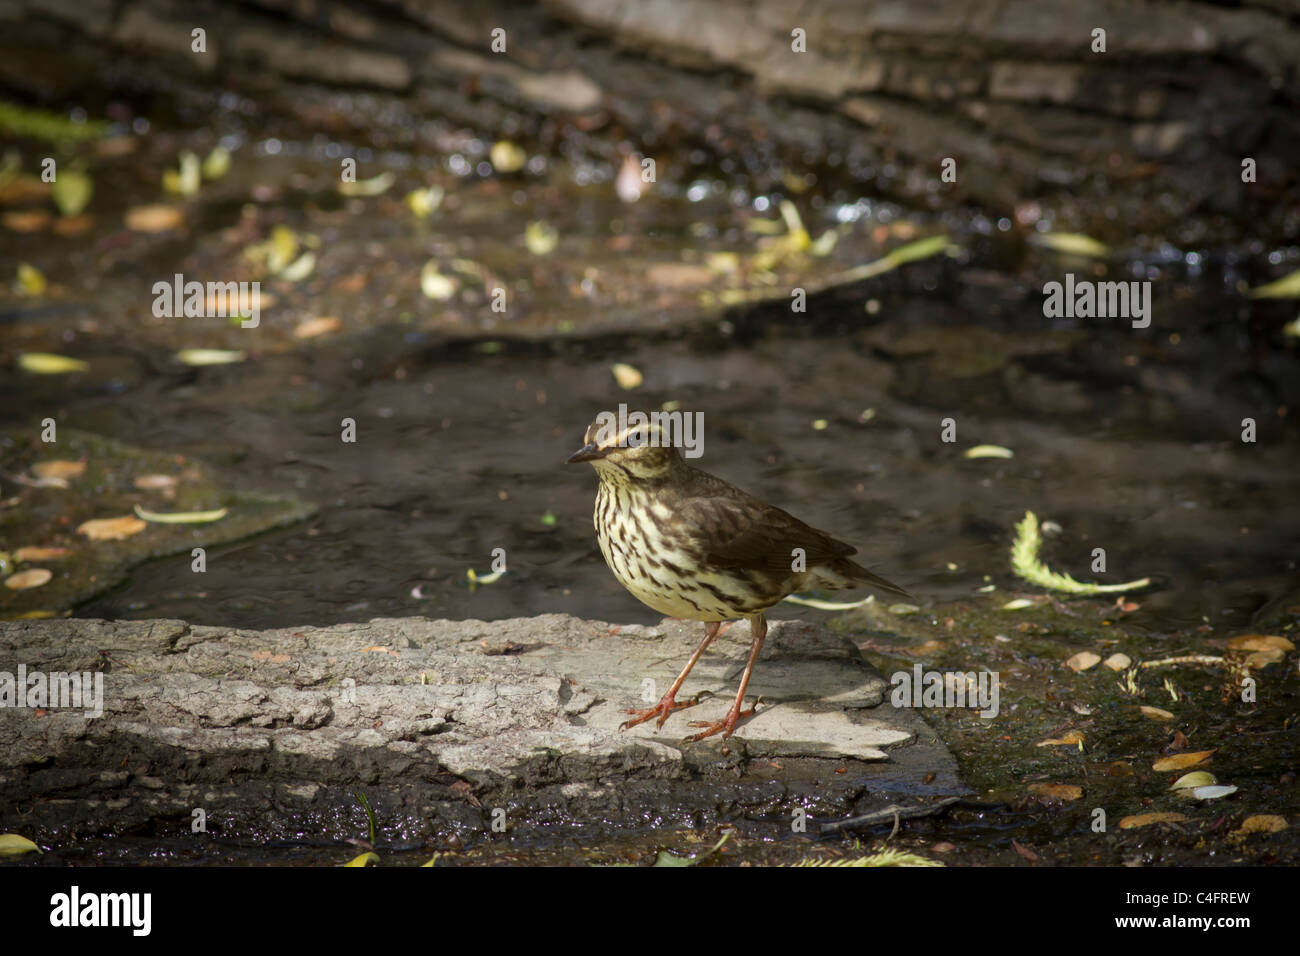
<point x="636" y="438"/>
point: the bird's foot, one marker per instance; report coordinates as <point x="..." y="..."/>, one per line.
<point x="661" y="710"/>
<point x="726" y="725"/>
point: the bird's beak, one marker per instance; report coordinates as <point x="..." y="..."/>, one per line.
<point x="586" y="453"/>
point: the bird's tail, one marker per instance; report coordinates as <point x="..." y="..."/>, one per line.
<point x="843" y="574"/>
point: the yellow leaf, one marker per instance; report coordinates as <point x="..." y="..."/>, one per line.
<point x="1195" y="778"/>
<point x="507" y="157"/>
<point x="25" y="580"/>
<point x="300" y="268"/>
<point x="540" y="237"/>
<point x="11" y="844"/>
<point x="111" y="529"/>
<point x="31" y="281"/>
<point x="182" y="517"/>
<point x="1179" y="761"/>
<point x="217" y="163"/>
<point x="989" y="451"/>
<point x="1071" y="243"/>
<point x="71" y="192"/>
<point x="627" y="376"/>
<point x="425" y="202"/>
<point x="198" y="357"/>
<point x="374" y="186"/>
<point x="365" y="859"/>
<point x="435" y="285"/>
<point x="1288" y="287"/>
<point x="46" y="363"/>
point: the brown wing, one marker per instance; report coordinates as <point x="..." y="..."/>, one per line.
<point x="738" y="530"/>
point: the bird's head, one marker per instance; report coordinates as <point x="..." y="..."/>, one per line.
<point x="639" y="452"/>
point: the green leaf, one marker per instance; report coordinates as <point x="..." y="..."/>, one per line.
<point x="1025" y="563"/>
<point x="46" y="363"/>
<point x="71" y="192"/>
<point x="11" y="844"/>
<point x="181" y="517"/>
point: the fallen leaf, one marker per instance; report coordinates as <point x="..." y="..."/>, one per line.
<point x="153" y="482"/>
<point x="61" y="468"/>
<point x="300" y="268"/>
<point x="217" y="163"/>
<point x="679" y="275"/>
<point x="507" y="157"/>
<point x="1146" y="819"/>
<point x="27" y="220"/>
<point x="41" y="554"/>
<point x="31" y="281"/>
<point x="627" y="376"/>
<point x="435" y="285"/>
<point x="1208" y="793"/>
<point x="11" y="844"/>
<point x="111" y="529"/>
<point x="1260" y="642"/>
<point x="989" y="451"/>
<point x="321" y="325"/>
<point x="1262" y="823"/>
<point x="1056" y="791"/>
<point x="201" y="357"/>
<point x="71" y="192"/>
<point x="365" y="859"/>
<point x="1071" y="243"/>
<point x="182" y="517"/>
<point x="156" y="218"/>
<point x="1071" y="739"/>
<point x="374" y="186"/>
<point x="46" y="363"/>
<point x="1155" y="713"/>
<point x="1195" y="778"/>
<point x="25" y="580"/>
<point x="1083" y="661"/>
<point x="1118" y="662"/>
<point x="1019" y="604"/>
<point x="1179" y="761"/>
<point x="1263" y="659"/>
<point x="1024" y="851"/>
<point x="540" y="237"/>
<point x="1287" y="287"/>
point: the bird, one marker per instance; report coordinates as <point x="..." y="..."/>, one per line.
<point x="690" y="545"/>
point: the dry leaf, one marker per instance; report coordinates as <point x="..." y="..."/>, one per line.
<point x="1024" y="851"/>
<point x="1056" y="791"/>
<point x="1146" y="819"/>
<point x="1155" y="713"/>
<point x="59" y="469"/>
<point x="25" y="580"/>
<point x="1262" y="823"/>
<point x="1260" y="642"/>
<point x="1118" y="662"/>
<point x="181" y="517"/>
<point x="321" y="325"/>
<point x="41" y="554"/>
<point x="1072" y="739"/>
<point x="1082" y="661"/>
<point x="1263" y="659"/>
<point x="155" y="218"/>
<point x="153" y="482"/>
<point x="1179" y="761"/>
<point x="111" y="529"/>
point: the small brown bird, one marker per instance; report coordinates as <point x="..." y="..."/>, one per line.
<point x="693" y="546"/>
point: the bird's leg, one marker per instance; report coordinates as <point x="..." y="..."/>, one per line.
<point x="758" y="627"/>
<point x="667" y="703"/>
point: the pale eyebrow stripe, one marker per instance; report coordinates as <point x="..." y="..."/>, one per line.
<point x="650" y="429"/>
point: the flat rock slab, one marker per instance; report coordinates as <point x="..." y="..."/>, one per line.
<point x="443" y="720"/>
